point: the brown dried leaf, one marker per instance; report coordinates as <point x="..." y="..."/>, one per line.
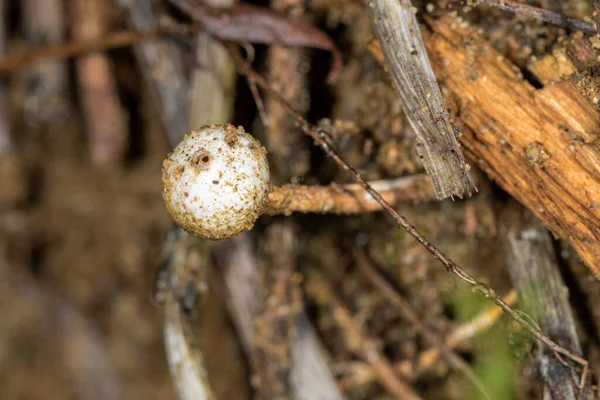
<point x="245" y="23"/>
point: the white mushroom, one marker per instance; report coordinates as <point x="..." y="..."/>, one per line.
<point x="216" y="181"/>
<point x="216" y="184"/>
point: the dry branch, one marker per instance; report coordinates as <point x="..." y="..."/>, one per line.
<point x="105" y="123"/>
<point x="534" y="270"/>
<point x="398" y="32"/>
<point x="540" y="145"/>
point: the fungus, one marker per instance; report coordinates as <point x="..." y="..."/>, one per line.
<point x="216" y="181"/>
<point x="216" y="184"/>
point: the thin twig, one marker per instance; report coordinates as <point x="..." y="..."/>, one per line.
<point x="407" y="312"/>
<point x="320" y="291"/>
<point x="320" y="136"/>
<point x="542" y="15"/>
<point x="347" y="199"/>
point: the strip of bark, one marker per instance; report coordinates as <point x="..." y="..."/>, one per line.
<point x="105" y="123"/>
<point x="398" y="32"/>
<point x="543" y="295"/>
<point x="287" y="71"/>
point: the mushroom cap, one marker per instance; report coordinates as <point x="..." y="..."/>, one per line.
<point x="216" y="181"/>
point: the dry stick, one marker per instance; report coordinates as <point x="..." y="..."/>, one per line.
<point x="347" y="199"/>
<point x="320" y="291"/>
<point x="161" y="68"/>
<point x="410" y="315"/>
<point x="483" y="289"/>
<point x="397" y="29"/>
<point x="542" y="15"/>
<point x="105" y="123"/>
<point x="534" y="271"/>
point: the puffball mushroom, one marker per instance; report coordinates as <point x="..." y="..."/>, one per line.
<point x="216" y="181"/>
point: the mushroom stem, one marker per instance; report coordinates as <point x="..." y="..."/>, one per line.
<point x="346" y="199"/>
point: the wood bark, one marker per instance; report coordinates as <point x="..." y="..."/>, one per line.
<point x="540" y="145"/>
